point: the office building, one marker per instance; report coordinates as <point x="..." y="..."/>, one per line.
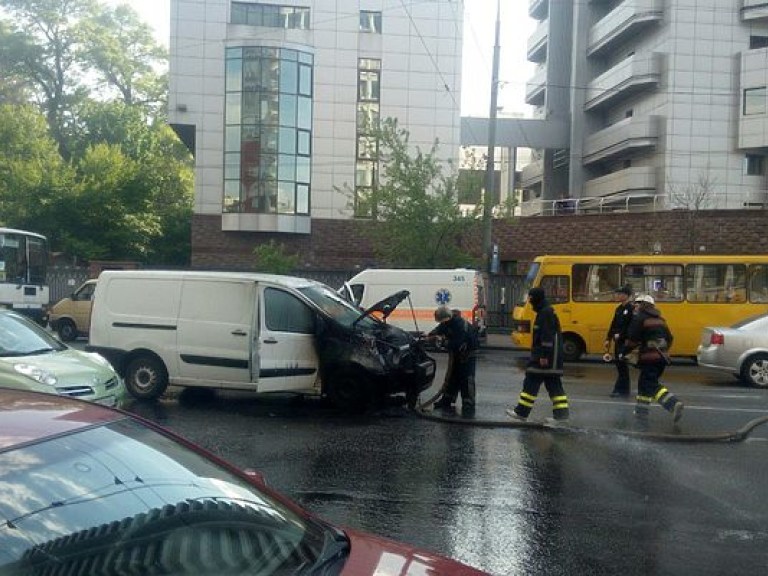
<point x="277" y="100"/>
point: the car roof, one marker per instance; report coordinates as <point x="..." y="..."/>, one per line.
<point x="32" y="416"/>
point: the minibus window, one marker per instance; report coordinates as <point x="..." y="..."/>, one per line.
<point x="556" y="288"/>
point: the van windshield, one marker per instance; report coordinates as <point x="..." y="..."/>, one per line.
<point x="335" y="306"/>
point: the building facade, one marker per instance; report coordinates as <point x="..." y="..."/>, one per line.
<point x="666" y="103"/>
<point x="277" y="100"/>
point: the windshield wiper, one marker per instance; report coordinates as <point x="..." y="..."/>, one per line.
<point x="335" y="548"/>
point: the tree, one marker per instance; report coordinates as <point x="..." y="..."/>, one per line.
<point x="48" y="54"/>
<point x="121" y="49"/>
<point x="416" y="206"/>
<point x="32" y="174"/>
<point x="692" y="198"/>
<point x="271" y="258"/>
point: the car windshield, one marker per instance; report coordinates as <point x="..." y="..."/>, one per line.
<point x="21" y="337"/>
<point x="335" y="306"/>
<point x="121" y="494"/>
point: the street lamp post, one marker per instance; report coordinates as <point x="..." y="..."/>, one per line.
<point x="489" y="198"/>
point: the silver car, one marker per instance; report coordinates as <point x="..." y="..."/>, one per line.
<point x="741" y="349"/>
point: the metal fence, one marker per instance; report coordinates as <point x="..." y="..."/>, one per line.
<point x="502" y="291"/>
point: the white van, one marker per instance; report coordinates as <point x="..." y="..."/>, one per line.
<point x="258" y="332"/>
<point x="460" y="289"/>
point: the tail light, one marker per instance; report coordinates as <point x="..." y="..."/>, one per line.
<point x="523" y="326"/>
<point x="716" y="339"/>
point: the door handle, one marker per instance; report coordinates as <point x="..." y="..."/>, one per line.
<point x="239" y="332"/>
<point x="270" y="341"/>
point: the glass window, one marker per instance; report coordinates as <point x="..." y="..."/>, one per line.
<point x="754" y="101"/>
<point x="302" y="199"/>
<point x="270" y="16"/>
<point x="754" y="165"/>
<point x="304" y="113"/>
<point x="232" y="139"/>
<point x="305" y="80"/>
<point x="232" y="165"/>
<point x="304" y="143"/>
<point x="251" y="75"/>
<point x="268" y="168"/>
<point x="364" y="202"/>
<point x="368" y="85"/>
<point x="364" y="174"/>
<point x="233" y="115"/>
<point x="370" y="21"/>
<point x="239" y="13"/>
<point x="556" y="288"/>
<point x="283" y="312"/>
<point x="716" y="282"/>
<point x="269" y="112"/>
<point x="287" y="141"/>
<point x="269" y="139"/>
<point x="302" y="169"/>
<point x="286" y="197"/>
<point x="758" y="283"/>
<point x="289" y="77"/>
<point x="287" y="110"/>
<point x="234" y="75"/>
<point x="367" y="147"/>
<point x="367" y="117"/>
<point x="595" y="282"/>
<point x="287" y="167"/>
<point x="662" y="281"/>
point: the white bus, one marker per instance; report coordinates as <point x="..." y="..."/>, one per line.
<point x="23" y="272"/>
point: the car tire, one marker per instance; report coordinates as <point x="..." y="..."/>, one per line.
<point x="350" y="392"/>
<point x="754" y="371"/>
<point x="146" y="378"/>
<point x="66" y="330"/>
<point x="573" y="348"/>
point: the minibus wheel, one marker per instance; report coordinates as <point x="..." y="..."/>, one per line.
<point x="146" y="377"/>
<point x="67" y="330"/>
<point x="573" y="348"/>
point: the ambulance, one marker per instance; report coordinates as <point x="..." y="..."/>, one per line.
<point x="461" y="289"/>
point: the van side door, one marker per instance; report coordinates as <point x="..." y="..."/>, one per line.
<point x="287" y="354"/>
<point x="216" y="331"/>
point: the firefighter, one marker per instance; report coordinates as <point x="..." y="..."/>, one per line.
<point x="461" y="342"/>
<point x="617" y="333"/>
<point x="649" y="335"/>
<point x="545" y="364"/>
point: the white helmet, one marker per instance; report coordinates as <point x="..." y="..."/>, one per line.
<point x="645" y="298"/>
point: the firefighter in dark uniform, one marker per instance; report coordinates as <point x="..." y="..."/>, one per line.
<point x="461" y="342"/>
<point x="545" y="364"/>
<point x="617" y="334"/>
<point x="650" y="336"/>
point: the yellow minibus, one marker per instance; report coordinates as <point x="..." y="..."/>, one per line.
<point x="690" y="291"/>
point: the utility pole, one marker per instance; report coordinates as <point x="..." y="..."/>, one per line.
<point x="489" y="199"/>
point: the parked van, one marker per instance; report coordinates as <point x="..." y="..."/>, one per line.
<point x="258" y="332"/>
<point x="460" y="289"/>
<point x="70" y="317"/>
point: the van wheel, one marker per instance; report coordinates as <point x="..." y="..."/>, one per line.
<point x="573" y="348"/>
<point x="350" y="392"/>
<point x="146" y="378"/>
<point x="67" y="330"/>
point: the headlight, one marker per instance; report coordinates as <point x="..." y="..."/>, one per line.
<point x="37" y="374"/>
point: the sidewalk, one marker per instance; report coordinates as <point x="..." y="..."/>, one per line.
<point x="499" y="341"/>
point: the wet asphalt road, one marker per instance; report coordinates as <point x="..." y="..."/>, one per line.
<point x="608" y="496"/>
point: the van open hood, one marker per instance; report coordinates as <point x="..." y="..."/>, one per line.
<point x="387" y="305"/>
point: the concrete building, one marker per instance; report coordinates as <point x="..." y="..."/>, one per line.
<point x="665" y="104"/>
<point x="276" y="100"/>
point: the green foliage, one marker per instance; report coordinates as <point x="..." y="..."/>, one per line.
<point x="272" y="258"/>
<point x="416" y="205"/>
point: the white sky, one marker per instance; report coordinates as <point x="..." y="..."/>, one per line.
<point x="479" y="30"/>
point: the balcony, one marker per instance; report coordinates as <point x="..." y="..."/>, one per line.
<point x="537" y="43"/>
<point x="753" y="10"/>
<point x="538" y="9"/>
<point x="536" y="87"/>
<point x="623" y="138"/>
<point x="640" y="181"/>
<point x="629" y="18"/>
<point x="630" y="76"/>
<point x="532" y="174"/>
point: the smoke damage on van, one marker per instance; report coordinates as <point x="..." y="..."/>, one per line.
<point x="362" y="363"/>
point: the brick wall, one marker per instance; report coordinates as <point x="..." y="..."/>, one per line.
<point x="342" y="244"/>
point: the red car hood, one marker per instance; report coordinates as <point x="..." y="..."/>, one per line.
<point x="381" y="557"/>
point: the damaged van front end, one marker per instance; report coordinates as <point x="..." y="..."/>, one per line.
<point x="364" y="360"/>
